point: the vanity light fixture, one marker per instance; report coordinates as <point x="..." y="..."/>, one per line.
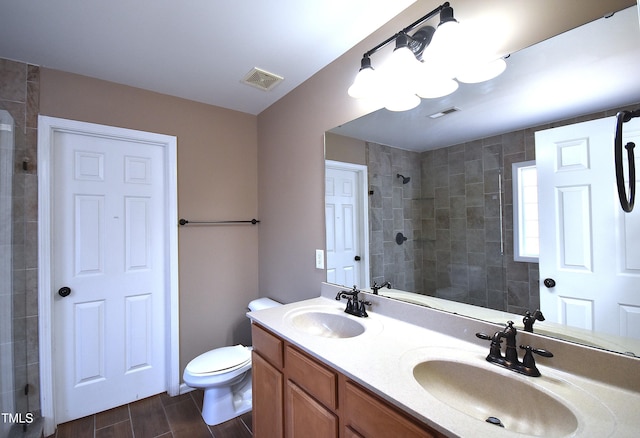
<point x="428" y="64"/>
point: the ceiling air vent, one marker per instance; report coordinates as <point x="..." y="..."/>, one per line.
<point x="262" y="79"/>
<point x="444" y="112"/>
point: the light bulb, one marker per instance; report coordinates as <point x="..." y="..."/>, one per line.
<point x="401" y="102"/>
<point x="365" y="84"/>
<point x="447" y="34"/>
<point x="483" y="71"/>
<point x="433" y="82"/>
<point x="435" y="88"/>
<point x="399" y="72"/>
<point x="402" y="62"/>
<point x="398" y="79"/>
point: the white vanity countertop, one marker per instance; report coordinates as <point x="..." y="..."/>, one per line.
<point x="383" y="357"/>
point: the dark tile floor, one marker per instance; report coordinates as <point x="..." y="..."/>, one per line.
<point x="157" y="416"/>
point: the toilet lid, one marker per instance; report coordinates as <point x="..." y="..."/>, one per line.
<point x="219" y="359"/>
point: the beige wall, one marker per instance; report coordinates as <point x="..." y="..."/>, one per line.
<point x="345" y="149"/>
<point x="291" y="170"/>
<point x="217" y="180"/>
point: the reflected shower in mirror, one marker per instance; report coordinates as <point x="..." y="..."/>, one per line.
<point x="454" y="216"/>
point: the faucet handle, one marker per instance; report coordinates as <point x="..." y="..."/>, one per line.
<point x="495" y="352"/>
<point x="529" y="363"/>
<point x="540" y="351"/>
<point x="496" y="339"/>
<point x="362" y="311"/>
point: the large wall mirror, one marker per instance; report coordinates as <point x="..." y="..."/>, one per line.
<point x="434" y="217"/>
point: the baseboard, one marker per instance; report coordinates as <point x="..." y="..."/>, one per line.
<point x="184" y="388"/>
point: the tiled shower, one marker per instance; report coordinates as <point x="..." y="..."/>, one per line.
<point x="19" y="361"/>
<point x="447" y="232"/>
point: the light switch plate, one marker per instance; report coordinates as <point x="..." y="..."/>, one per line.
<point x="319" y="259"/>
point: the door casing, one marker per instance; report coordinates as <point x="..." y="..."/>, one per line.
<point x="47" y="126"/>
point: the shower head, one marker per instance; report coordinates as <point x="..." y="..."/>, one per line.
<point x="405" y="179"/>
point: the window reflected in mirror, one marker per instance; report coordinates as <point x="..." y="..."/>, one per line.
<point x="526" y="244"/>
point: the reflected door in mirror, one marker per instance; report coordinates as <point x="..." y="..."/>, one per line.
<point x="588" y="245"/>
<point x="344" y="220"/>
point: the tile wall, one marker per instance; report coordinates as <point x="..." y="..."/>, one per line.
<point x="395" y="208"/>
<point x="19" y="95"/>
<point x="456" y="213"/>
<point x="468" y="224"/>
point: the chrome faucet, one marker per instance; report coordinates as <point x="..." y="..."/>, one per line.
<point x="355" y="306"/>
<point x="510" y="358"/>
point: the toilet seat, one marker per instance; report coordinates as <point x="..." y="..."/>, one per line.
<point x="219" y="361"/>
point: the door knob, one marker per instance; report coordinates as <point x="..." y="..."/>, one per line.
<point x="357" y="258"/>
<point x="64" y="291"/>
<point x="549" y="282"/>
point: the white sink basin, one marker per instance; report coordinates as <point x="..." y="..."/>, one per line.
<point x="326" y="325"/>
<point x="482" y="393"/>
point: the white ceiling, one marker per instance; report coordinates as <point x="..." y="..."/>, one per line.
<point x="196" y="49"/>
<point x="588" y="69"/>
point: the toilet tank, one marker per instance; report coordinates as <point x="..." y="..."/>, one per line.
<point x="263" y="303"/>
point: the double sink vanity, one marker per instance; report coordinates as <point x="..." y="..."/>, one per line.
<point x="407" y="370"/>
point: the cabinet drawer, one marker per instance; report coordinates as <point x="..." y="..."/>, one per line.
<point x="371" y="417"/>
<point x="315" y="378"/>
<point x="268" y="345"/>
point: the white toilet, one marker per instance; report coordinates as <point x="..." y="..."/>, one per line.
<point x="225" y="376"/>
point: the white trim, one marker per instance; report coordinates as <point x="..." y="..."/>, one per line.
<point x="46" y="127"/>
<point x="184" y="388"/>
<point x="363" y="229"/>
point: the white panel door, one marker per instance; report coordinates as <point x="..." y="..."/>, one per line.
<point x="108" y="250"/>
<point x="588" y="245"/>
<point x="345" y="228"/>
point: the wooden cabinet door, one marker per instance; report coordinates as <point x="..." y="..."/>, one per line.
<point x="268" y="399"/>
<point x="372" y="418"/>
<point x="306" y="417"/>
